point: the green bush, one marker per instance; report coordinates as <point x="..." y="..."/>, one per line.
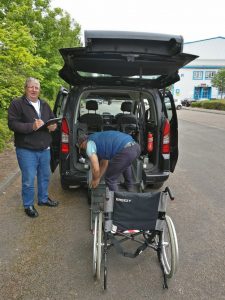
<point x="214" y="104"/>
<point x="196" y="104"/>
<point x="210" y="104"/>
<point x="5" y="133"/>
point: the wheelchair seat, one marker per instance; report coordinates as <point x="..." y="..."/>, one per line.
<point x="140" y="218"/>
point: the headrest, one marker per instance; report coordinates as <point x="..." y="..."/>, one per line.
<point x="91" y="105"/>
<point x="126" y="106"/>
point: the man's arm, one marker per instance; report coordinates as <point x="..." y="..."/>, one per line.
<point x="95" y="168"/>
<point x="103" y="166"/>
<point x="15" y="122"/>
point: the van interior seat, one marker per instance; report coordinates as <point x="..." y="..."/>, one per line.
<point x="93" y="120"/>
<point x="126" y="122"/>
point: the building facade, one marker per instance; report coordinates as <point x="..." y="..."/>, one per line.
<point x="195" y="78"/>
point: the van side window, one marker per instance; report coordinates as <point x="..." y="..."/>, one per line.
<point x="61" y="104"/>
<point x="168" y="107"/>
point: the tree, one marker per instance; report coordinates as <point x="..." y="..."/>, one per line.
<point x="48" y="30"/>
<point x="31" y="34"/>
<point x="218" y="81"/>
<point x="17" y="60"/>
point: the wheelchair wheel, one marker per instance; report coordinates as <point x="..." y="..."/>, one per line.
<point x="169" y="253"/>
<point x="95" y="246"/>
<point x="99" y="245"/>
<point x="105" y="260"/>
<point x="105" y="270"/>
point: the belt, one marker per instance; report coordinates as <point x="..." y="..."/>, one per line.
<point x="129" y="144"/>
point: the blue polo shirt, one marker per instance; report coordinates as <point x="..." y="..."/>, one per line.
<point x="107" y="144"/>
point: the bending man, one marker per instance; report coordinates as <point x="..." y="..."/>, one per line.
<point x="110" y="153"/>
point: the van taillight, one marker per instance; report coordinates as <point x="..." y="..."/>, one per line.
<point x="166" y="138"/>
<point x="65" y="137"/>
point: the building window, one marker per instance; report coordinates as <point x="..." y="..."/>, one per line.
<point x="209" y="74"/>
<point x="197" y="75"/>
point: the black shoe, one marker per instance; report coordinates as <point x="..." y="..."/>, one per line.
<point x="31" y="212"/>
<point x="50" y="203"/>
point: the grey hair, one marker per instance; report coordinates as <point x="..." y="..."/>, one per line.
<point x="31" y="79"/>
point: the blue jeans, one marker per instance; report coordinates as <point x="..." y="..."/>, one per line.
<point x="34" y="163"/>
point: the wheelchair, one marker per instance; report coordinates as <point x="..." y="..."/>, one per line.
<point x="137" y="217"/>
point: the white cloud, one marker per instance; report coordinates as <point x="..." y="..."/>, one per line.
<point x="193" y="19"/>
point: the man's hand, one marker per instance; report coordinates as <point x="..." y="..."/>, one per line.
<point x="52" y="127"/>
<point x="95" y="183"/>
<point x="37" y="123"/>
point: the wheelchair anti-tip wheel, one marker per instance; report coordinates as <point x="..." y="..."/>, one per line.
<point x="169" y="255"/>
<point x="97" y="246"/>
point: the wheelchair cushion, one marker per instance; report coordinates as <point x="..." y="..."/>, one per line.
<point x="136" y="210"/>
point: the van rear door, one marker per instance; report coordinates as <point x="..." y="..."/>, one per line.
<point x="171" y="114"/>
<point x="56" y="135"/>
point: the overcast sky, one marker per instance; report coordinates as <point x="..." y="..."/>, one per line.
<point x="193" y="19"/>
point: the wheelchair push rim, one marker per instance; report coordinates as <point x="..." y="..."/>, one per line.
<point x="169" y="255"/>
<point x="97" y="246"/>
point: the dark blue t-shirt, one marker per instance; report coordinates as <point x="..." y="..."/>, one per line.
<point x="109" y="143"/>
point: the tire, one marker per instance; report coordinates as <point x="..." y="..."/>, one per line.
<point x="169" y="255"/>
<point x="179" y="107"/>
<point x="64" y="186"/>
<point x="99" y="246"/>
<point x="89" y="196"/>
<point x="105" y="263"/>
<point x="95" y="246"/>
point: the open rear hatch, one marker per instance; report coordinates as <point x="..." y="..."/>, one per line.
<point x="119" y="57"/>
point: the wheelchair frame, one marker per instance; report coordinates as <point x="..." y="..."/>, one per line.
<point x="162" y="239"/>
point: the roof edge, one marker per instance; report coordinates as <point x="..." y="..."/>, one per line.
<point x="217" y="37"/>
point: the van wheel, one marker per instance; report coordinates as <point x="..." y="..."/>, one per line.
<point x="64" y="185"/>
<point x="89" y="196"/>
<point x="179" y="107"/>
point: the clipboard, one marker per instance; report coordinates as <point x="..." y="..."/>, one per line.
<point x="49" y="122"/>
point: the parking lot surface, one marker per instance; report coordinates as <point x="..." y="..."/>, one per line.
<point x="51" y="257"/>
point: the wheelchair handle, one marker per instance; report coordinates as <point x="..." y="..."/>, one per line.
<point x="168" y="190"/>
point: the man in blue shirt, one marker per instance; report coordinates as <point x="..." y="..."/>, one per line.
<point x="111" y="153"/>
